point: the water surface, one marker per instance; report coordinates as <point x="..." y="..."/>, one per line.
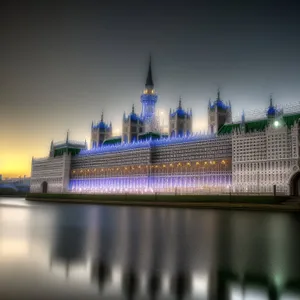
<point x="59" y="251"/>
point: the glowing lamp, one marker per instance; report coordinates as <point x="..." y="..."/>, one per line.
<point x="276" y="123"/>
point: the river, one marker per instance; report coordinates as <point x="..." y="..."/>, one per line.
<point x="72" y="251"/>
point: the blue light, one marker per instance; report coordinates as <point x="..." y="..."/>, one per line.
<point x="181" y="113"/>
<point x="271" y="111"/>
<point x="219" y="104"/>
<point x="101" y="125"/>
<point x="148" y="105"/>
<point x="149" y="183"/>
<point x="148" y="144"/>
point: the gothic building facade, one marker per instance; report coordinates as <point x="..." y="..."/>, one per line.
<point x="248" y="156"/>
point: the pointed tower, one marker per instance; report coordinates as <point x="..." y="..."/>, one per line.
<point x="243" y="123"/>
<point x="218" y="114"/>
<point x="148" y="100"/>
<point x="271" y="112"/>
<point x="132" y="126"/>
<point x="100" y="132"/>
<point x="180" y="122"/>
<point x="51" y="152"/>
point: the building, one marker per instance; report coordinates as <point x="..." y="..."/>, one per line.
<point x="133" y="126"/>
<point x="15" y="185"/>
<point x="52" y="173"/>
<point x="219" y="113"/>
<point x="265" y="152"/>
<point x="100" y="132"/>
<point x="247" y="156"/>
<point x="180" y="122"/>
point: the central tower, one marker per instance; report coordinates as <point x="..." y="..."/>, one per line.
<point x="148" y="100"/>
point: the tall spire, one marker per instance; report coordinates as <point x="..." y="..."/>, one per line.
<point x="67" y="138"/>
<point x="102" y="116"/>
<point x="132" y="108"/>
<point x="179" y="106"/>
<point x="149" y="81"/>
<point x="209" y="103"/>
<point x="271" y="100"/>
<point x="218" y="95"/>
<point x="243" y="117"/>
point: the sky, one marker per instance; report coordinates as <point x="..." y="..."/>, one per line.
<point x="64" y="62"/>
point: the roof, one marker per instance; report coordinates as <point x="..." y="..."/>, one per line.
<point x="149" y="135"/>
<point x="146" y="144"/>
<point x="257" y="125"/>
<point x="219" y="104"/>
<point x="181" y="113"/>
<point x="69" y="144"/>
<point x="101" y="125"/>
<point x="133" y="117"/>
<point x="112" y="141"/>
<point x="290" y="119"/>
<point x="271" y="111"/>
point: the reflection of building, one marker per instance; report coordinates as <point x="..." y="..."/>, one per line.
<point x="245" y="156"/>
<point x="69" y="241"/>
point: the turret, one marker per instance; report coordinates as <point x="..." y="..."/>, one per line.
<point x="67" y="138"/>
<point x="51" y="152"/>
<point x="100" y="132"/>
<point x="271" y="112"/>
<point x="132" y="126"/>
<point x="148" y="100"/>
<point x="243" y="128"/>
<point x="180" y="121"/>
<point x="219" y="113"/>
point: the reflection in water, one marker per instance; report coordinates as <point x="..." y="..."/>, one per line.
<point x="137" y="253"/>
<point x="68" y="247"/>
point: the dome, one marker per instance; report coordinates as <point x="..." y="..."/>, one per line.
<point x="180" y="112"/>
<point x="102" y="125"/>
<point x="271" y="111"/>
<point x="134" y="117"/>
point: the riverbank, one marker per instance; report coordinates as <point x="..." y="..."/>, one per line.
<point x="236" y="202"/>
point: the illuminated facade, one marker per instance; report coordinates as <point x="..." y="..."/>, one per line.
<point x="248" y="156"/>
<point x="170" y="165"/>
<point x="266" y="153"/>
